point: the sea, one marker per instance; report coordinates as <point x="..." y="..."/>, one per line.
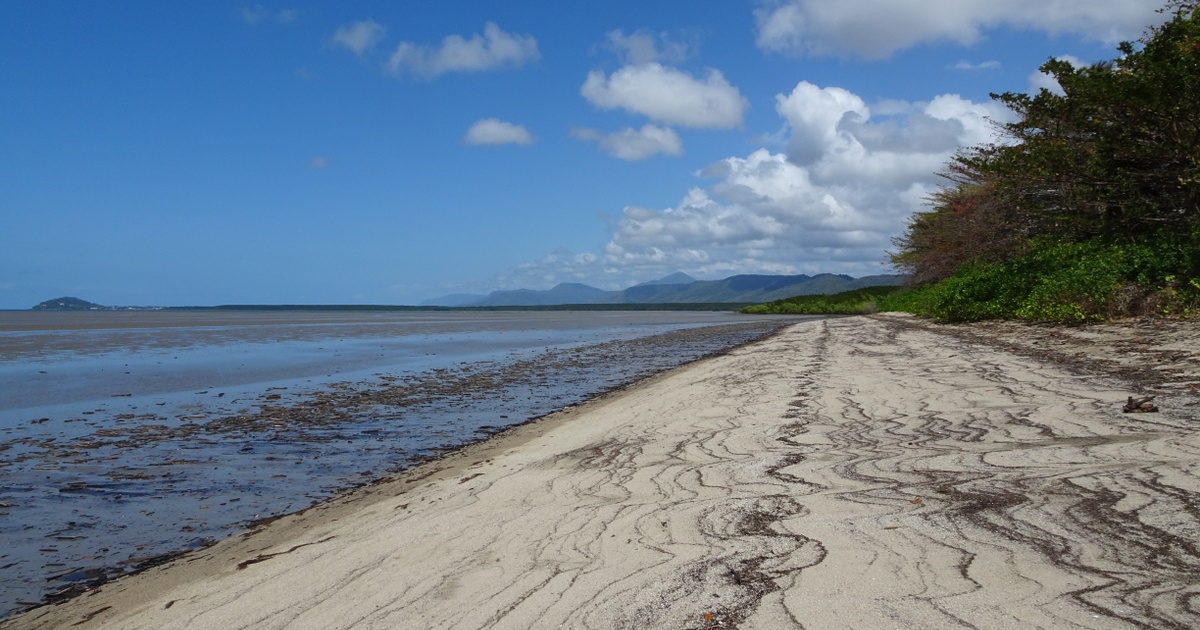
<point x="130" y="437"/>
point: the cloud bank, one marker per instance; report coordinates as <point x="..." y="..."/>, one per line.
<point x="874" y="29"/>
<point x="494" y="132"/>
<point x="494" y="49"/>
<point x="845" y="182"/>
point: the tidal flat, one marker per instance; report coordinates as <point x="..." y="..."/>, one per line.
<point x="873" y="472"/>
<point x="127" y="438"/>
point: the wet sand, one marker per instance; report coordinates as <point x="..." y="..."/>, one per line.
<point x="95" y="489"/>
<point x="861" y="472"/>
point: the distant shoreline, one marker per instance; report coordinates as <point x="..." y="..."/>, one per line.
<point x="301" y="308"/>
<point x="683" y="306"/>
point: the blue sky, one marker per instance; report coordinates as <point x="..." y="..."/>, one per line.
<point x="199" y="153"/>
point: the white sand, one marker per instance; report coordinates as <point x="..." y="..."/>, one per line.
<point x="848" y="473"/>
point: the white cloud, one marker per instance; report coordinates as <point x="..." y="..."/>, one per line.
<point x="561" y="265"/>
<point x="813" y="114"/>
<point x="832" y="202"/>
<point x="359" y="36"/>
<point x="971" y="67"/>
<point x="1039" y="79"/>
<point x="668" y="95"/>
<point x="493" y="49"/>
<point x="492" y="132"/>
<point x="875" y="29"/>
<point x="847" y="180"/>
<point x="634" y="144"/>
<point x="258" y="13"/>
<point x="643" y="46"/>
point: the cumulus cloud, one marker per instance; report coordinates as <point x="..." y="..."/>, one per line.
<point x="359" y="36"/>
<point x="668" y="95"/>
<point x="874" y="29"/>
<point x="494" y="49"/>
<point x="1039" y="80"/>
<point x="847" y="179"/>
<point x="643" y="46"/>
<point x="831" y="202"/>
<point x="493" y="132"/>
<point x="814" y="115"/>
<point x="634" y="144"/>
<point x="258" y="14"/>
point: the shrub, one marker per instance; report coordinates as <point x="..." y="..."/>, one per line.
<point x="853" y="302"/>
<point x="1068" y="282"/>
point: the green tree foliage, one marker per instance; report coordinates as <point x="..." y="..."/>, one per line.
<point x="1104" y="171"/>
<point x="1118" y="154"/>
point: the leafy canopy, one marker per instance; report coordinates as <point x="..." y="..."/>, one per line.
<point x="1067" y="215"/>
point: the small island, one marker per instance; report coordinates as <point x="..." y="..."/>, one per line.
<point x="76" y="304"/>
<point x="70" y="304"/>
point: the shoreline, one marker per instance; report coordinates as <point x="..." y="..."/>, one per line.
<point x="448" y="465"/>
<point x="773" y="469"/>
<point x="287" y="455"/>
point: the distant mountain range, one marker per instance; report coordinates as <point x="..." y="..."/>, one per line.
<point x="677" y="288"/>
<point x="674" y="289"/>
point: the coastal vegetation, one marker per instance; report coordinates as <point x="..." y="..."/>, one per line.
<point x="1089" y="206"/>
<point x="853" y="302"/>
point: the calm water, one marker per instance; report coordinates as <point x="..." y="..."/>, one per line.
<point x="124" y="436"/>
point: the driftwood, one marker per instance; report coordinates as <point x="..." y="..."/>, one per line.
<point x="1141" y="405"/>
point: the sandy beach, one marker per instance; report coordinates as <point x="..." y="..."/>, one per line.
<point x="865" y="472"/>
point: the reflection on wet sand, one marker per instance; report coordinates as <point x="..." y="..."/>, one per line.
<point x="104" y="487"/>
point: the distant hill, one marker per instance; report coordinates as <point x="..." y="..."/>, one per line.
<point x="676" y="278"/>
<point x="565" y="293"/>
<point x="455" y="299"/>
<point x="677" y="288"/>
<point x="754" y="288"/>
<point x="70" y="304"/>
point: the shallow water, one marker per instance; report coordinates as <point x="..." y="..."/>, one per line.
<point x="126" y="436"/>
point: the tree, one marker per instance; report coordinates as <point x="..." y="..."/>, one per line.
<point x="1118" y="152"/>
<point x="1115" y="155"/>
<point x="968" y="222"/>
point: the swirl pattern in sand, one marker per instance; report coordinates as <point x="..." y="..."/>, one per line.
<point x="844" y="473"/>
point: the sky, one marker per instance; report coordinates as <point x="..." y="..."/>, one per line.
<point x="204" y="153"/>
